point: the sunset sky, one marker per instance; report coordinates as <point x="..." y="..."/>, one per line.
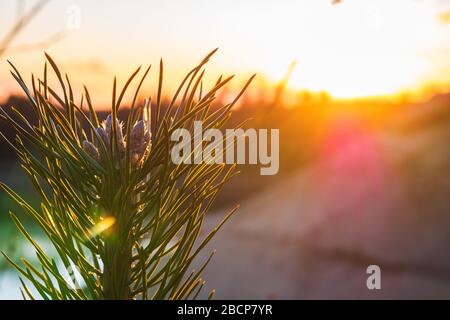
<point x="354" y="49"/>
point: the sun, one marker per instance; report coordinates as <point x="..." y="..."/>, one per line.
<point x="358" y="48"/>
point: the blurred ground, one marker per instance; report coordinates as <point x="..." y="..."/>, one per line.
<point x="373" y="197"/>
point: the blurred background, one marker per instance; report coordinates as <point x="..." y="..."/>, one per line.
<point x="360" y="90"/>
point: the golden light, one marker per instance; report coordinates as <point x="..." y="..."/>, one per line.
<point x="103" y="225"/>
<point x="357" y="48"/>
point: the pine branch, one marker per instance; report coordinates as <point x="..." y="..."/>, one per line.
<point x="113" y="204"/>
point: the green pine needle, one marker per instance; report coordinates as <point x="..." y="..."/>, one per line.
<point x="116" y="210"/>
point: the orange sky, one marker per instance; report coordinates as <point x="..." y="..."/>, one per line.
<point x="355" y="49"/>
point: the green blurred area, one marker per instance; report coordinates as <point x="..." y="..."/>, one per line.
<point x="11" y="241"/>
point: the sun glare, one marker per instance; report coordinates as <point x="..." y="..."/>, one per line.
<point x="358" y="48"/>
<point x="352" y="49"/>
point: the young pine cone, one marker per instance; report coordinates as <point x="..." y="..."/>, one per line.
<point x="91" y="150"/>
<point x="139" y="141"/>
<point x="107" y="125"/>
